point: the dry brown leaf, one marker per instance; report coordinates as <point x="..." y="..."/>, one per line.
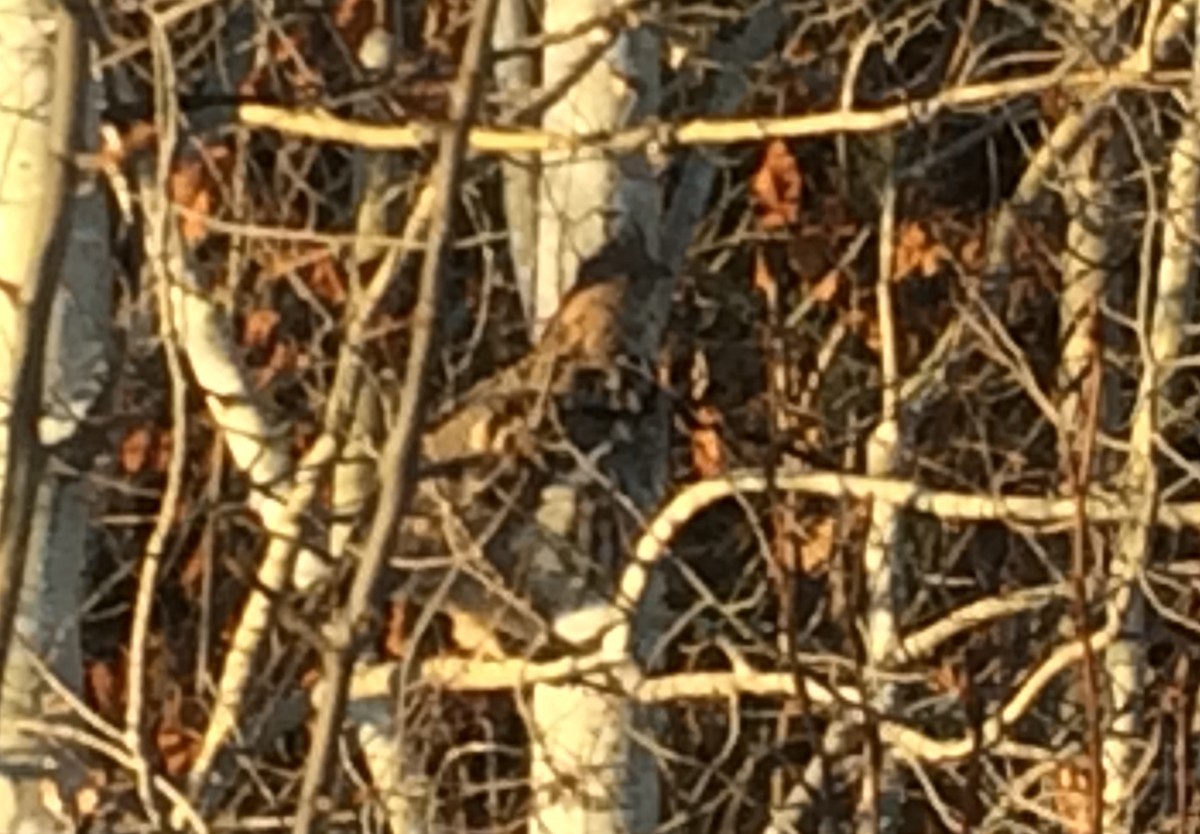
<point x="354" y="19"/>
<point x="259" y="327"/>
<point x="135" y="451"/>
<point x="776" y="187"/>
<point x="177" y="746"/>
<point x="196" y="201"/>
<point x="193" y="189"/>
<point x="971" y="254"/>
<point x="309" y="678"/>
<point x="826" y="290"/>
<point x="1072" y="794"/>
<point x="163" y="447"/>
<point x="816" y="546"/>
<point x="304" y="434"/>
<point x="441" y="32"/>
<point x="917" y="253"/>
<point x="327" y="282"/>
<point x="866" y="327"/>
<point x="1054" y="103"/>
<point x="948" y="678"/>
<point x="176" y="750"/>
<point x="708" y="452"/>
<point x="192" y="573"/>
<point x="394" y="630"/>
<point x="103" y="686"/>
<point x="764" y="278"/>
<point x="284" y="357"/>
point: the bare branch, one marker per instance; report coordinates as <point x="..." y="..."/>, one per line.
<point x="322" y="126"/>
<point x="400" y="453"/>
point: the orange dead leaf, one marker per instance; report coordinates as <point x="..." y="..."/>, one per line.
<point x="176" y="745"/>
<point x="304" y="434"/>
<point x="1073" y="794"/>
<point x="948" y="678"/>
<point x="287" y="48"/>
<point x="866" y="327"/>
<point x="826" y="290"/>
<point x="816" y="546"/>
<point x="776" y="187"/>
<point x="259" y="327"/>
<point x="177" y="749"/>
<point x="708" y="453"/>
<point x="284" y="357"/>
<point x="103" y="686"/>
<point x="917" y="253"/>
<point x="393" y="630"/>
<point x="354" y="19"/>
<point x="764" y="278"/>
<point x="312" y="263"/>
<point x="971" y="254"/>
<point x="188" y="191"/>
<point x="327" y="282"/>
<point x="163" y="448"/>
<point x="440" y="32"/>
<point x="192" y="572"/>
<point x="135" y="451"/>
<point x="192" y="189"/>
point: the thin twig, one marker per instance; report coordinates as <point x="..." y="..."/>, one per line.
<point x="157" y="218"/>
<point x="1079" y="473"/>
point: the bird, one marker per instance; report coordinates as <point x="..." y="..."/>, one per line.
<point x="595" y="354"/>
<point x="605" y="328"/>
<point x="585" y="376"/>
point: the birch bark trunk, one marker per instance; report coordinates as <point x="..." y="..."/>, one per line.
<point x="1162" y="323"/>
<point x="54" y="321"/>
<point x="585" y="775"/>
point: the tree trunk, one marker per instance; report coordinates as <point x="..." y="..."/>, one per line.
<point x="54" y="360"/>
<point x="1163" y="333"/>
<point x="585" y="776"/>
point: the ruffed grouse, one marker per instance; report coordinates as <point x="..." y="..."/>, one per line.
<point x="588" y="373"/>
<point x="596" y="352"/>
